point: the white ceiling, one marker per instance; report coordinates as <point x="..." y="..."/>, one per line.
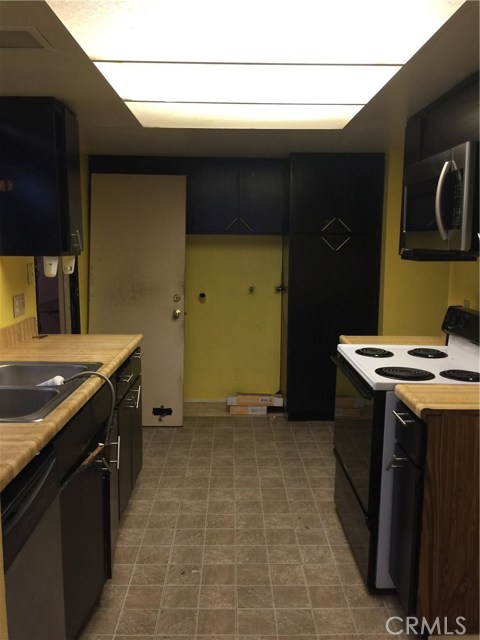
<point x="62" y="70"/>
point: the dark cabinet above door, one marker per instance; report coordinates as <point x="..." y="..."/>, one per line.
<point x="213" y="196"/>
<point x="40" y="200"/>
<point x="236" y="196"/>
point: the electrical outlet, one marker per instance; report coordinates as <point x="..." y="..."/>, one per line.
<point x="466" y="303"/>
<point x="18" y="305"/>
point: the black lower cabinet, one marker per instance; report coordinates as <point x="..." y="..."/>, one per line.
<point x="129" y="416"/>
<point x="331" y="271"/>
<point x="60" y="515"/>
<point x="408" y="465"/>
<point x="83" y="517"/>
<point x="405" y="533"/>
<point x="137" y="434"/>
<point x="84" y="508"/>
<point x="124" y="414"/>
<point x="111" y="491"/>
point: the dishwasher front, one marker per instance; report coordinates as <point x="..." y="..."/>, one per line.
<point x="32" y="552"/>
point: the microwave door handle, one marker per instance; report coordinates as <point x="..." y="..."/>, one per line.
<point x="438" y="200"/>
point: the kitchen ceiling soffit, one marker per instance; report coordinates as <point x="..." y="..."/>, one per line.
<point x="255" y="65"/>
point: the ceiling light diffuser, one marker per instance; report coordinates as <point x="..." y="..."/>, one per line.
<point x="243" y="116"/>
<point x="304" y="31"/>
<point x="271" y="53"/>
<point x="239" y="83"/>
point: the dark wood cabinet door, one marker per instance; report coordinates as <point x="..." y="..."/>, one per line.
<point x="40" y="202"/>
<point x="29" y="199"/>
<point x="449" y="121"/>
<point x="261" y="197"/>
<point x="229" y="196"/>
<point x="314" y="192"/>
<point x="333" y="273"/>
<point x="213" y="198"/>
<point x="136" y="424"/>
<point x="83" y="513"/>
<point x="124" y="416"/>
<point x="311" y="338"/>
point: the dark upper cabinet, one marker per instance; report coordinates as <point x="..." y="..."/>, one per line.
<point x="331" y="271"/>
<point x="40" y="199"/>
<point x="441" y="187"/>
<point x="332" y="193"/>
<point x="212" y="205"/>
<point x="262" y="196"/>
<point x="232" y="196"/>
<point x="444" y="124"/>
<point x="314" y="192"/>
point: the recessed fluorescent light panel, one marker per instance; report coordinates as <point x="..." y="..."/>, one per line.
<point x="255" y="64"/>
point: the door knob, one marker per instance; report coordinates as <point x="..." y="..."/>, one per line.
<point x="176" y="313"/>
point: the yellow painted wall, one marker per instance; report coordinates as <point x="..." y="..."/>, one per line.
<point x="232" y="340"/>
<point x="464" y="284"/>
<point x="413" y="295"/>
<point x="13" y="280"/>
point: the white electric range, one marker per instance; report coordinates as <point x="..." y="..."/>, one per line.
<point x="364" y="431"/>
<point x="384" y="366"/>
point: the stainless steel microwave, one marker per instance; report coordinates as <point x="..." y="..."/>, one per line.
<point x="440" y="206"/>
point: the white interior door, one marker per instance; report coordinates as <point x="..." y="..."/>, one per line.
<point x="137" y="272"/>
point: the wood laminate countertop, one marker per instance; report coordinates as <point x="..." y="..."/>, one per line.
<point x="20" y="442"/>
<point x="432" y="398"/>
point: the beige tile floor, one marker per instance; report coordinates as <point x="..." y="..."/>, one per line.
<point x="231" y="533"/>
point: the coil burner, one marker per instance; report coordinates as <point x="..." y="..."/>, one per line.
<point x="461" y="375"/>
<point x="374" y="352"/>
<point x="404" y="373"/>
<point x="425" y="352"/>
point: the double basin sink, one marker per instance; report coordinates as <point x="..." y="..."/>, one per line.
<point x="22" y="400"/>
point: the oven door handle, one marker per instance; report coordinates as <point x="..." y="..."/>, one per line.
<point x="353" y="377"/>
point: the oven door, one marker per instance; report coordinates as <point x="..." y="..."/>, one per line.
<point x="357" y="414"/>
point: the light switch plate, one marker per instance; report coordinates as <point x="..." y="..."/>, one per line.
<point x="18" y="305"/>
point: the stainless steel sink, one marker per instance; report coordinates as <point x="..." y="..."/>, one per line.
<point x="19" y="404"/>
<point x="21" y="400"/>
<point x="30" y="374"/>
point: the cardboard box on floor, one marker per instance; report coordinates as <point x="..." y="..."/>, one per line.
<point x="244" y="410"/>
<point x="255" y="400"/>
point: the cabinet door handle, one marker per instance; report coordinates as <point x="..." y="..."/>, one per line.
<point x="136" y="403"/>
<point x="139" y="391"/>
<point x="117" y="461"/>
<point x="77" y="240"/>
<point x="395" y="462"/>
<point x="404" y="421"/>
<point x="126" y="379"/>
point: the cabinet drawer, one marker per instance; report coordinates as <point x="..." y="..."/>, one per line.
<point x="76" y="436"/>
<point x="411" y="434"/>
<point x="127" y="373"/>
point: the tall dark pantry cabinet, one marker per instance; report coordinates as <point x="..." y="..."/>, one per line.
<point x="331" y="271"/>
